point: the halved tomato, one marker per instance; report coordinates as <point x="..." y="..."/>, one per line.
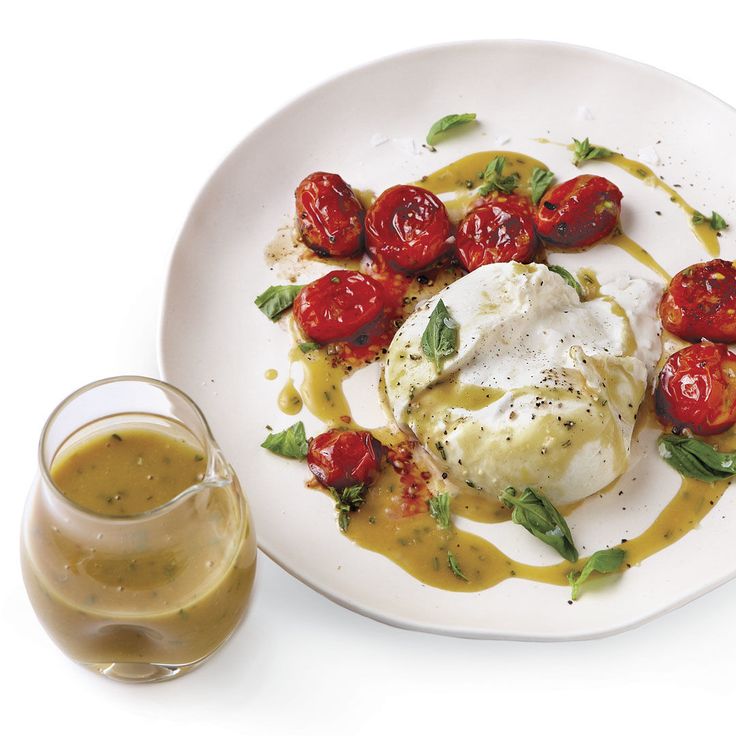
<point x="498" y="231"/>
<point x="408" y="227"/>
<point x="579" y="212"/>
<point x="340" y="306"/>
<point x="340" y="458"/>
<point x="697" y="389"/>
<point x="328" y="215"/>
<point x="700" y="302"/>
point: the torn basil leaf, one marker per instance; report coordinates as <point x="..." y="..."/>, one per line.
<point x="347" y="500"/>
<point x="277" y="299"/>
<point x="494" y="180"/>
<point x="694" y="458"/>
<point x="570" y="280"/>
<point x="307" y="347"/>
<point x="448" y="122"/>
<point x="452" y="564"/>
<point x="440" y="336"/>
<point x="716" y="222"/>
<point x="585" y="151"/>
<point x="539" y="183"/>
<point x="439" y="510"/>
<point x="292" y="442"/>
<point x="603" y="561"/>
<point x="536" y="514"/>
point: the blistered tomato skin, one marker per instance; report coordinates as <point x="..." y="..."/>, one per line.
<point x="700" y="302"/>
<point x="408" y="228"/>
<point x="329" y="216"/>
<point x="340" y="306"/>
<point x="498" y="231"/>
<point x="696" y="389"/>
<point x="341" y="458"/>
<point x="579" y="212"/>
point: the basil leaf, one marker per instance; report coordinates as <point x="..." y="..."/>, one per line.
<point x="716" y="222"/>
<point x="447" y="122"/>
<point x="307" y="347"/>
<point x="347" y="500"/>
<point x="276" y="299"/>
<point x="698" y="217"/>
<point x="696" y="459"/>
<point x="495" y="180"/>
<point x="602" y="561"/>
<point x="537" y="515"/>
<point x="439" y="510"/>
<point x="452" y="564"/>
<point x="569" y="278"/>
<point x="292" y="442"/>
<point x="440" y="337"/>
<point x="539" y="183"/>
<point x="584" y="151"/>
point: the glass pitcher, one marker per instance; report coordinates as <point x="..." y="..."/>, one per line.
<point x="150" y="595"/>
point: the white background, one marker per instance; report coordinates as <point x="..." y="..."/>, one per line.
<point x="113" y="115"/>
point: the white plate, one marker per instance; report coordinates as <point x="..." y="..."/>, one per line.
<point x="216" y="345"/>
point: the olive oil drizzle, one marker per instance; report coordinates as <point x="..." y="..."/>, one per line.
<point x="321" y="388"/>
<point x="703" y="231"/>
<point x="638" y="253"/>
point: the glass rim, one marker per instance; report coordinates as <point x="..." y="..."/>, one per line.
<point x="132" y="378"/>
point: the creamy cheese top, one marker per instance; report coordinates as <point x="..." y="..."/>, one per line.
<point x="543" y="390"/>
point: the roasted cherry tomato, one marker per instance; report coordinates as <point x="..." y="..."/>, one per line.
<point x="340" y="306"/>
<point x="340" y="458"/>
<point x="697" y="389"/>
<point x="579" y="212"/>
<point x="500" y="230"/>
<point x="329" y="215"/>
<point x="408" y="227"/>
<point x="700" y="302"/>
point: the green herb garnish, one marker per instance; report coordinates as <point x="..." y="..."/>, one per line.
<point x="602" y="561"/>
<point x="292" y="442"/>
<point x="277" y="299"/>
<point x="715" y="220"/>
<point x="452" y="564"/>
<point x="347" y="500"/>
<point x="570" y="280"/>
<point x="307" y="347"/>
<point x="584" y="151"/>
<point x="537" y="515"/>
<point x="494" y="180"/>
<point x="539" y="183"/>
<point x="440" y="337"/>
<point x="447" y="122"/>
<point x="439" y="510"/>
<point x="696" y="459"/>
